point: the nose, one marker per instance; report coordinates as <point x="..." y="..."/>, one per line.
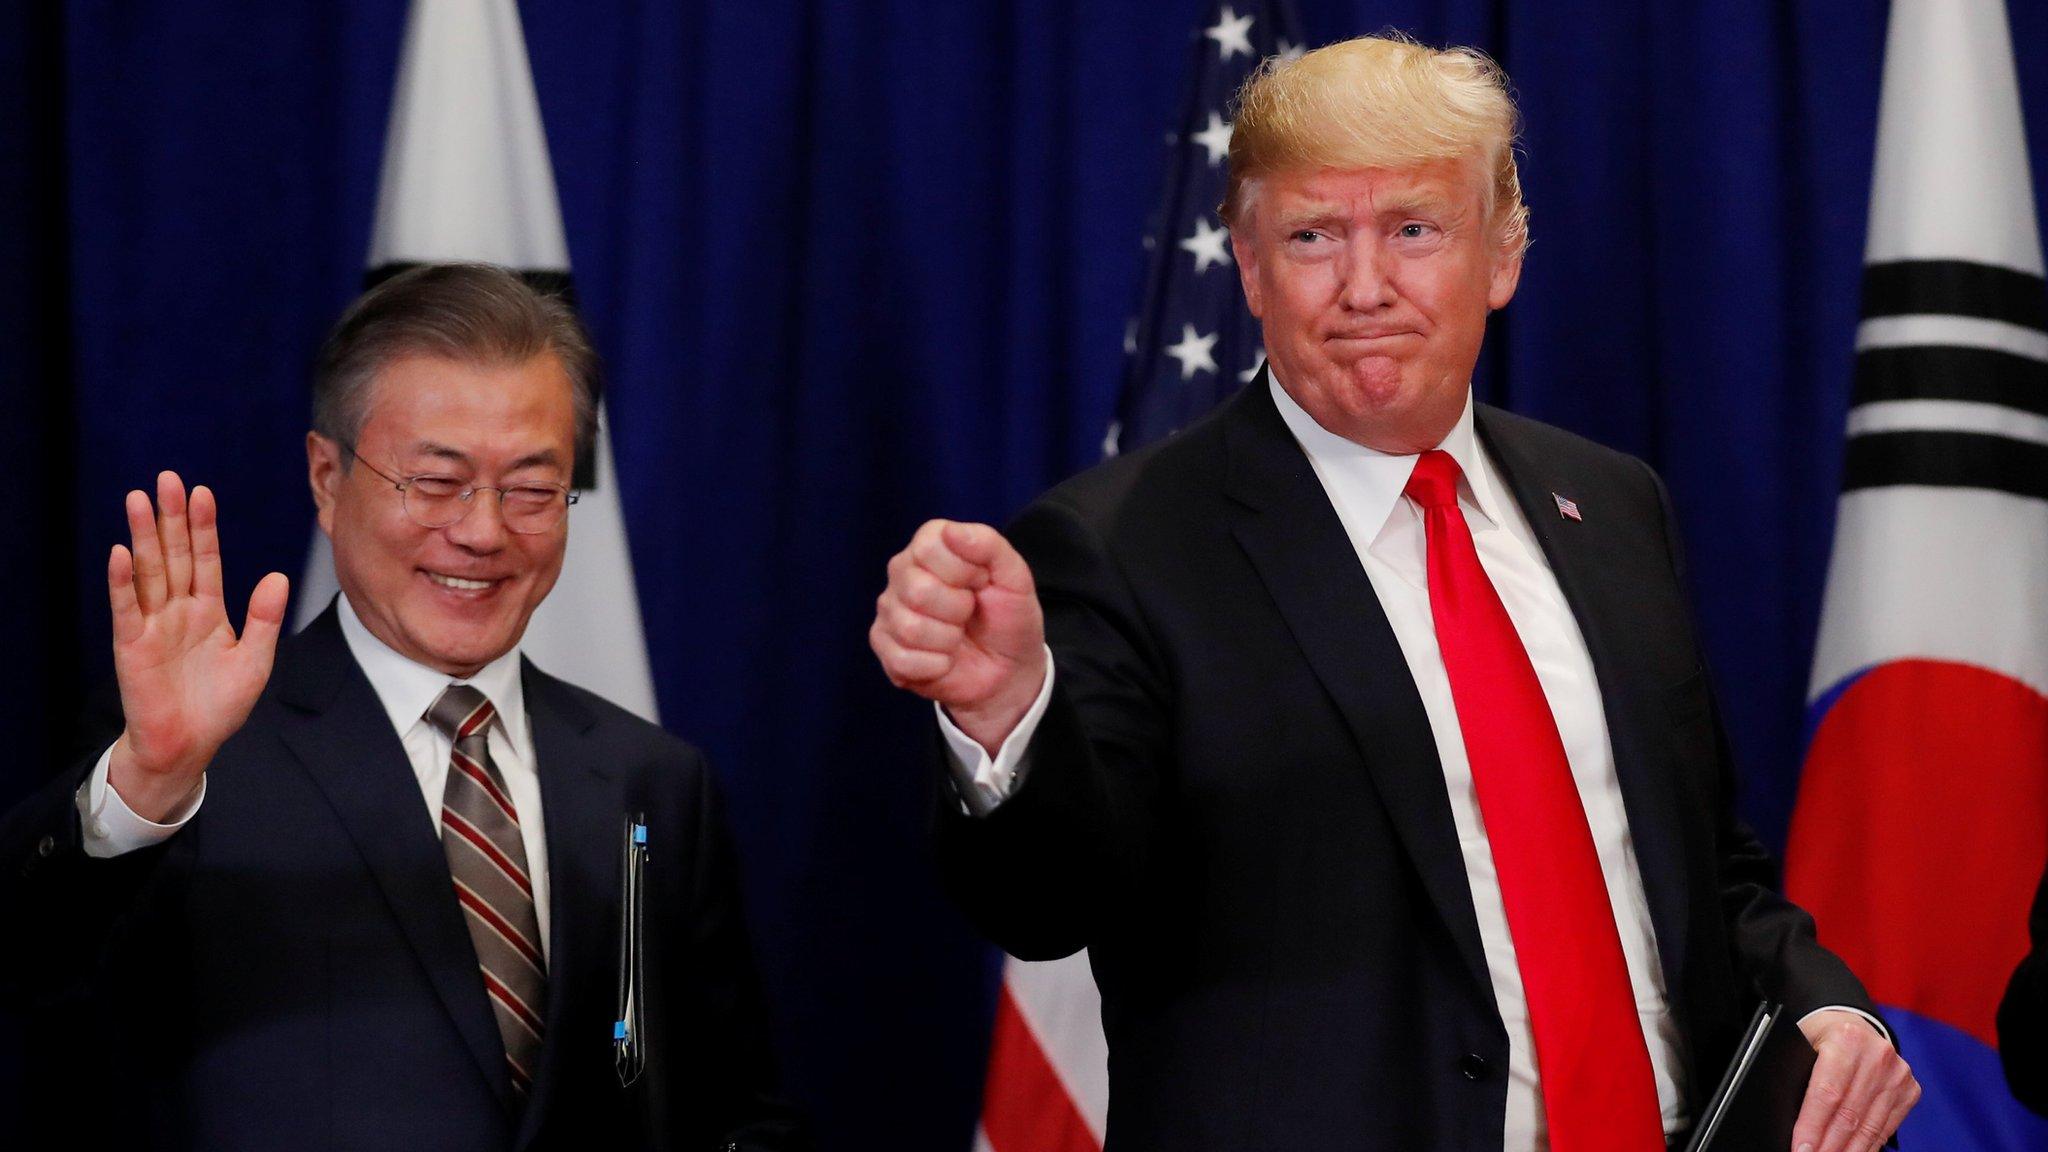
<point x="1366" y="283"/>
<point x="483" y="529"/>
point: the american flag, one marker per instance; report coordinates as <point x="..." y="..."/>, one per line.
<point x="1192" y="344"/>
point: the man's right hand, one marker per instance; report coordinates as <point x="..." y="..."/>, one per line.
<point x="186" y="682"/>
<point x="960" y="624"/>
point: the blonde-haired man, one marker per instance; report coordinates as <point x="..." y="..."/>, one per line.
<point x="1359" y="731"/>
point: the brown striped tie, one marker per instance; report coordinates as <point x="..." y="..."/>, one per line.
<point x="487" y="858"/>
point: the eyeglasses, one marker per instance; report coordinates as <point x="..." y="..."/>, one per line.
<point x="433" y="501"/>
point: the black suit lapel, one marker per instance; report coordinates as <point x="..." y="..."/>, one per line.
<point x="1574" y="549"/>
<point x="584" y="803"/>
<point x="342" y="735"/>
<point x="1301" y="552"/>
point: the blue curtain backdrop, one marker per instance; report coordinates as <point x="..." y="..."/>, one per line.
<point x="861" y="262"/>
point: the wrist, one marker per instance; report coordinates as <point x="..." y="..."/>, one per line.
<point x="150" y="793"/>
<point x="990" y="722"/>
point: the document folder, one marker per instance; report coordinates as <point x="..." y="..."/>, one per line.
<point x="1758" y="1101"/>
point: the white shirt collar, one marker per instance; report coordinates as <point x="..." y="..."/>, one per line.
<point x="407" y="689"/>
<point x="1374" y="480"/>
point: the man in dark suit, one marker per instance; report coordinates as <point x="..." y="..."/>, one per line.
<point x="373" y="900"/>
<point x="2023" y="1014"/>
<point x="1360" y="732"/>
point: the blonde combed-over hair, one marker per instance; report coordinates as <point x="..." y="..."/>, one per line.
<point x="1379" y="102"/>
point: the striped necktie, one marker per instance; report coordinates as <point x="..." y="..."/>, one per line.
<point x="487" y="858"/>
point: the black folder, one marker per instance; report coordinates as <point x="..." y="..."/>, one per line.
<point x="1758" y="1101"/>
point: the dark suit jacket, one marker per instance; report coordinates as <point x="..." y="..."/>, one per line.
<point x="1234" y="800"/>
<point x="291" y="970"/>
<point x="2023" y="1015"/>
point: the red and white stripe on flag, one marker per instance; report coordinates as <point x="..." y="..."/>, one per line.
<point x="1048" y="1067"/>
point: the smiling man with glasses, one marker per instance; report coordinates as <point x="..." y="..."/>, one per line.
<point x="436" y="407"/>
<point x="370" y="898"/>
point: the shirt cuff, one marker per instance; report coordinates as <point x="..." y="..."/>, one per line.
<point x="109" y="828"/>
<point x="985" y="781"/>
<point x="1873" y="1021"/>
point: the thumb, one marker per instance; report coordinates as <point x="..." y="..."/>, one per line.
<point x="983" y="545"/>
<point x="266" y="617"/>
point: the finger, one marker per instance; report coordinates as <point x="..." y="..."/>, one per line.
<point x="148" y="552"/>
<point x="205" y="519"/>
<point x="907" y="667"/>
<point x="1896" y="1096"/>
<point x="266" y="618"/>
<point x="1855" y="1124"/>
<point x="913" y="630"/>
<point x="1824" y="1093"/>
<point x="1902" y="1104"/>
<point x="981" y="544"/>
<point x="177" y="536"/>
<point x="923" y="592"/>
<point x="121" y="595"/>
<point x="928" y="550"/>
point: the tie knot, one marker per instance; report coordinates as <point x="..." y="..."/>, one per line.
<point x="461" y="712"/>
<point x="1434" y="483"/>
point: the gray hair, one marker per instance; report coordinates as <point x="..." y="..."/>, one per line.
<point x="470" y="313"/>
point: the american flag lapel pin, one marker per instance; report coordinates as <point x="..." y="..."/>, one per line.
<point x="1567" y="507"/>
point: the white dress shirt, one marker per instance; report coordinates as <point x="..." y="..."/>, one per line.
<point x="407" y="690"/>
<point x="1366" y="489"/>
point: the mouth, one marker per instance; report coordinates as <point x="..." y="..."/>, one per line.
<point x="466" y="586"/>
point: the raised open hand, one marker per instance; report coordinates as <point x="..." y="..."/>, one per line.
<point x="186" y="682"/>
<point x="960" y="623"/>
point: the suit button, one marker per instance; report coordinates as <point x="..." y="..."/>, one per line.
<point x="1473" y="1066"/>
<point x="46" y="845"/>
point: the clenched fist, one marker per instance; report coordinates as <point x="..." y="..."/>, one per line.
<point x="959" y="623"/>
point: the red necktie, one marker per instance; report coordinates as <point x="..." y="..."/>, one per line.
<point x="1592" y="1064"/>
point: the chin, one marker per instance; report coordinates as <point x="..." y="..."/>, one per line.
<point x="1377" y="382"/>
<point x="447" y="645"/>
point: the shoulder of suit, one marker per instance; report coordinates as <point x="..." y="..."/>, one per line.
<point x="606" y="718"/>
<point x="1171" y="472"/>
<point x="1563" y="449"/>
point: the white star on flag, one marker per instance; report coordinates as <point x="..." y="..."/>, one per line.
<point x="1231" y="32"/>
<point x="1193" y="351"/>
<point x="1290" y="52"/>
<point x="1258" y="362"/>
<point x="1215" y="139"/>
<point x="1207" y="244"/>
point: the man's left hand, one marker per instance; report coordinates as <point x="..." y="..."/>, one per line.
<point x="1861" y="1088"/>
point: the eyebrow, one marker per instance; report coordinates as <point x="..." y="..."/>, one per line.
<point x="1422" y="204"/>
<point x="1310" y="215"/>
<point x="545" y="456"/>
